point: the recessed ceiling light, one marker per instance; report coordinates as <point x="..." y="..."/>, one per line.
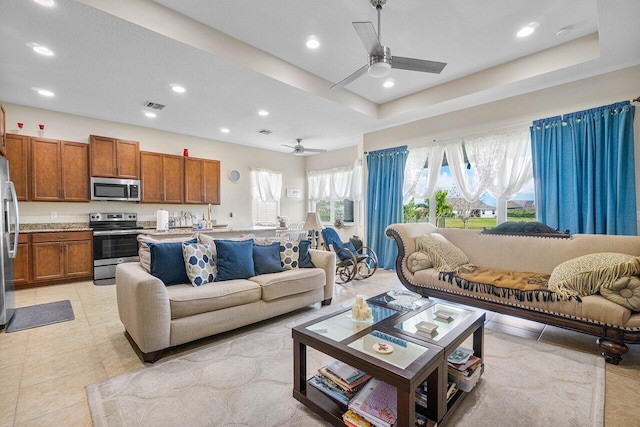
<point x="526" y="31"/>
<point x="46" y="3"/>
<point x="150" y="114"/>
<point x="178" y="89"/>
<point x="45" y="92"/>
<point x="42" y="50"/>
<point x="564" y="31"/>
<point x="313" y="42"/>
<point x="263" y="113"/>
<point x="224" y="130"/>
<point x="389" y="83"/>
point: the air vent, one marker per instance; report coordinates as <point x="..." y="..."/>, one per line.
<point x="154" y="105"/>
<point x="265" y="131"/>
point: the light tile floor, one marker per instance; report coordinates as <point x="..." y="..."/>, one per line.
<point x="44" y="371"/>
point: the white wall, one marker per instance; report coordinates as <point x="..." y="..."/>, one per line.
<point x="235" y="197"/>
<point x="520" y="110"/>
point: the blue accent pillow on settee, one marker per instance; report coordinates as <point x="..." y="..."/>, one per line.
<point x="235" y="259"/>
<point x="167" y="262"/>
<point x="266" y="258"/>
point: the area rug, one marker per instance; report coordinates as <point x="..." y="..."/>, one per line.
<point x="246" y="380"/>
<point x="40" y="315"/>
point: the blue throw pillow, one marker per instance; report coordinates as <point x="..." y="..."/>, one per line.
<point x="266" y="258"/>
<point x="235" y="259"/>
<point x="167" y="263"/>
<point x="304" y="261"/>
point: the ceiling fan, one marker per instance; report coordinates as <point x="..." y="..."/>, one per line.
<point x="299" y="150"/>
<point x="380" y="60"/>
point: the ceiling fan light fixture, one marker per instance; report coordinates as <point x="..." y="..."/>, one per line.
<point x="379" y="69"/>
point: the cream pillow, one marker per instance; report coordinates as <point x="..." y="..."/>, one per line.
<point x="143" y="249"/>
<point x="418" y="261"/>
<point x="624" y="291"/>
<point x="587" y="274"/>
<point x="444" y="255"/>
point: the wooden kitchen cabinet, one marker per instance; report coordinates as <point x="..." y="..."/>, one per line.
<point x="18" y="155"/>
<point x="59" y="171"/>
<point x="161" y="178"/>
<point x="201" y="181"/>
<point x="3" y="131"/>
<point x="22" y="262"/>
<point x="63" y="255"/>
<point x="114" y="158"/>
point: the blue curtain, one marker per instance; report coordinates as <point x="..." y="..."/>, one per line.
<point x="384" y="200"/>
<point x="584" y="170"/>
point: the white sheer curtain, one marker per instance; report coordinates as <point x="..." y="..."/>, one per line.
<point x="412" y="172"/>
<point x="344" y="182"/>
<point x="481" y="153"/>
<point x="266" y="185"/>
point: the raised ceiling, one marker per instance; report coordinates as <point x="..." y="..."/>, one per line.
<point x="236" y="57"/>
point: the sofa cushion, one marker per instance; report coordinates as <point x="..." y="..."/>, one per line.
<point x="167" y="262"/>
<point x="418" y="261"/>
<point x="199" y="263"/>
<point x="289" y="282"/>
<point x="289" y="254"/>
<point x="624" y="291"/>
<point x="304" y="260"/>
<point x="235" y="259"/>
<point x="585" y="275"/>
<point x="185" y="300"/>
<point x="143" y="248"/>
<point x="444" y="255"/>
<point x="266" y="258"/>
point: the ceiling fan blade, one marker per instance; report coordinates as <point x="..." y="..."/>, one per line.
<point x="413" y="64"/>
<point x="290" y="146"/>
<point x="314" y="150"/>
<point x="362" y="71"/>
<point x="369" y="38"/>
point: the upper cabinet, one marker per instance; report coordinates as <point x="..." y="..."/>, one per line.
<point x="18" y="155"/>
<point x="201" y="181"/>
<point x="115" y="158"/>
<point x="59" y="171"/>
<point x="161" y="178"/>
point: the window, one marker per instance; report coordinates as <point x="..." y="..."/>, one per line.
<point x="265" y="213"/>
<point x="266" y="187"/>
<point x="330" y="211"/>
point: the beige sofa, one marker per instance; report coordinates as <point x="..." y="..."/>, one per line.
<point x="613" y="323"/>
<point x="157" y="317"/>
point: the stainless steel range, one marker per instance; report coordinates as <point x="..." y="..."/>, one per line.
<point x="114" y="242"/>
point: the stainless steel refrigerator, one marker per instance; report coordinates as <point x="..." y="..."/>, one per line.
<point x="9" y="225"/>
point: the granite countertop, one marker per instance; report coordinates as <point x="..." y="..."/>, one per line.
<point x="185" y="230"/>
<point x="54" y="227"/>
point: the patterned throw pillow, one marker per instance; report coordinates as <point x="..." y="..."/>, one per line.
<point x="444" y="255"/>
<point x="418" y="261"/>
<point x="199" y="263"/>
<point x="290" y="254"/>
<point x="585" y="275"/>
<point x="624" y="291"/>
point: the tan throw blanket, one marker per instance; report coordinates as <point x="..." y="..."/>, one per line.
<point x="503" y="283"/>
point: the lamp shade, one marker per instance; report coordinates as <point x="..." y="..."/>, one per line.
<point x="312" y="222"/>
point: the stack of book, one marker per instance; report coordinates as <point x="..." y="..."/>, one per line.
<point x="421" y="394"/>
<point x="377" y="403"/>
<point x="467" y="371"/>
<point x="339" y="381"/>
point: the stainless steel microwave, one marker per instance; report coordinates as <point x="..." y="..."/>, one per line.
<point x="124" y="190"/>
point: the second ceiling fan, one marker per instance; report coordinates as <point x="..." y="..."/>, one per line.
<point x="380" y="60"/>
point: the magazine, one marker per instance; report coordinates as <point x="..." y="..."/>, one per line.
<point x="377" y="403"/>
<point x="331" y="389"/>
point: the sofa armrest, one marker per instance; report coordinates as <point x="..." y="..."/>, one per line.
<point x="327" y="261"/>
<point x="143" y="306"/>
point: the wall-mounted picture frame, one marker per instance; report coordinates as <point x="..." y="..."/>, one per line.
<point x="294" y="193"/>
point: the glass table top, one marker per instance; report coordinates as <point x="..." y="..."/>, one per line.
<point x="402" y="354"/>
<point x="445" y="317"/>
<point x="341" y="326"/>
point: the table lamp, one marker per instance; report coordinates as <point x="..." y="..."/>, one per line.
<point x="312" y="223"/>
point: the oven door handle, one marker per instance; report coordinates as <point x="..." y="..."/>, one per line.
<point x="116" y="232"/>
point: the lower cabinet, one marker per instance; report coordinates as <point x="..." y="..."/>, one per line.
<point x="59" y="256"/>
<point x="22" y="262"/>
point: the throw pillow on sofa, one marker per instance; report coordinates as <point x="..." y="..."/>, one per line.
<point x="444" y="255"/>
<point x="199" y="263"/>
<point x="585" y="275"/>
<point x="304" y="260"/>
<point x="289" y="254"/>
<point x="418" y="261"/>
<point x="167" y="262"/>
<point x="266" y="258"/>
<point x="143" y="248"/>
<point x="624" y="291"/>
<point x="235" y="259"/>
